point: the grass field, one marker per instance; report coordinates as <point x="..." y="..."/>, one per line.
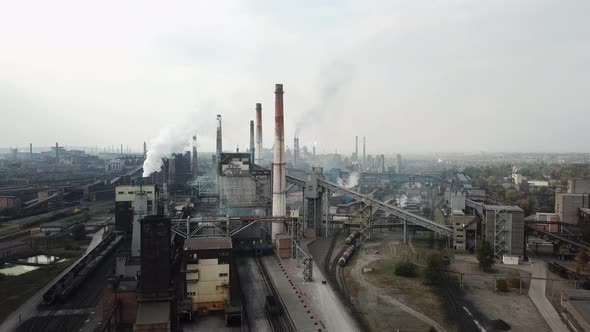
<point x="15" y="290"/>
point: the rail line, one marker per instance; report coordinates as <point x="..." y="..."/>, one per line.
<point x="278" y="317"/>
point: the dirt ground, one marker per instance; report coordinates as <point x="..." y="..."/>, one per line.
<point x="386" y="301"/>
<point x="512" y="307"/>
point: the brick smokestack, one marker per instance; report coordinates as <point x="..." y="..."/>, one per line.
<point x="279" y="208"/>
<point x="258" y="133"/>
<point x="252" y="149"/>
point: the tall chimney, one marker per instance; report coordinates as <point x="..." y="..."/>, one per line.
<point x="279" y="208"/>
<point x="356" y="148"/>
<point x="194" y="159"/>
<point x="219" y="146"/>
<point x="364" y="152"/>
<point x="144" y="150"/>
<point x="56" y="153"/>
<point x="121" y="149"/>
<point x="295" y="151"/>
<point x="31" y="150"/>
<point x="252" y="149"/>
<point x="259" y="134"/>
<point x="314" y="153"/>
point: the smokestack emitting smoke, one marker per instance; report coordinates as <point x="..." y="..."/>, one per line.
<point x="258" y="133"/>
<point x="279" y="208"/>
<point x="252" y="142"/>
<point x="219" y="146"/>
<point x="295" y="151"/>
<point x="168" y="141"/>
<point x="144" y="150"/>
<point x="351" y="182"/>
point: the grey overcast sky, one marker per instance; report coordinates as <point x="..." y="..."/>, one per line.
<point x="419" y="76"/>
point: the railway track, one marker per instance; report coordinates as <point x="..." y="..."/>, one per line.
<point x="276" y="312"/>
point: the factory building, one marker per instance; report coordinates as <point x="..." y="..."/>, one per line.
<point x="244" y="188"/>
<point x="578" y="186"/>
<point x="568" y="206"/>
<point x="208" y="263"/>
<point x="124" y="197"/>
<point x="503" y="227"/>
<point x="464" y="230"/>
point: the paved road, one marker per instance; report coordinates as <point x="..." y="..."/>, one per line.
<point x="29" y="308"/>
<point x="537" y="295"/>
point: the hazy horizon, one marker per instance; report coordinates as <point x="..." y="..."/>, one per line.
<point x="470" y="76"/>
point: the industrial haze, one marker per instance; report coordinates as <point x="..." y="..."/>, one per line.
<point x="410" y="76"/>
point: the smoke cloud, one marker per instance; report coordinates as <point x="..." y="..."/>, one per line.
<point x="169" y="140"/>
<point x="333" y="78"/>
<point x="351" y="182"/>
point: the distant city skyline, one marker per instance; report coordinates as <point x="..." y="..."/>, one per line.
<point x="422" y="77"/>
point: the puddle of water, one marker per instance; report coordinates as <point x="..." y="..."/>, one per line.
<point x="42" y="260"/>
<point x="16" y="270"/>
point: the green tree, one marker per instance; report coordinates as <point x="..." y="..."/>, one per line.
<point x="432" y="270"/>
<point x="502" y="285"/>
<point x="513" y="195"/>
<point x="405" y="269"/>
<point x="523" y="203"/>
<point x="513" y="279"/>
<point x="485" y="254"/>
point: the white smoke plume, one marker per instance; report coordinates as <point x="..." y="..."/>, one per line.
<point x="169" y="140"/>
<point x="351" y="182"/>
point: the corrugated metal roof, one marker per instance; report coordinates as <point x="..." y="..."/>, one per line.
<point x="208" y="244"/>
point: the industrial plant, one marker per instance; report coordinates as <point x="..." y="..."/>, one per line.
<point x="273" y="240"/>
<point x="274" y="166"/>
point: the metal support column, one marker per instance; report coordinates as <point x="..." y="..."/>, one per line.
<point x="327" y="210"/>
<point x="405" y="231"/>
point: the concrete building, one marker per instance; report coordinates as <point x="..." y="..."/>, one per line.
<point x="455" y="200"/>
<point x="537" y="184"/>
<point x="9" y="202"/>
<point x="244" y="188"/>
<point x="208" y="272"/>
<point x="124" y="197"/>
<point x="567" y="206"/>
<point x="578" y="186"/>
<point x="503" y="227"/>
<point x="576" y="302"/>
<point x="464" y="228"/>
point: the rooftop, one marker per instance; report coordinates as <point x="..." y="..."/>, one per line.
<point x="511" y="208"/>
<point x="153" y="313"/>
